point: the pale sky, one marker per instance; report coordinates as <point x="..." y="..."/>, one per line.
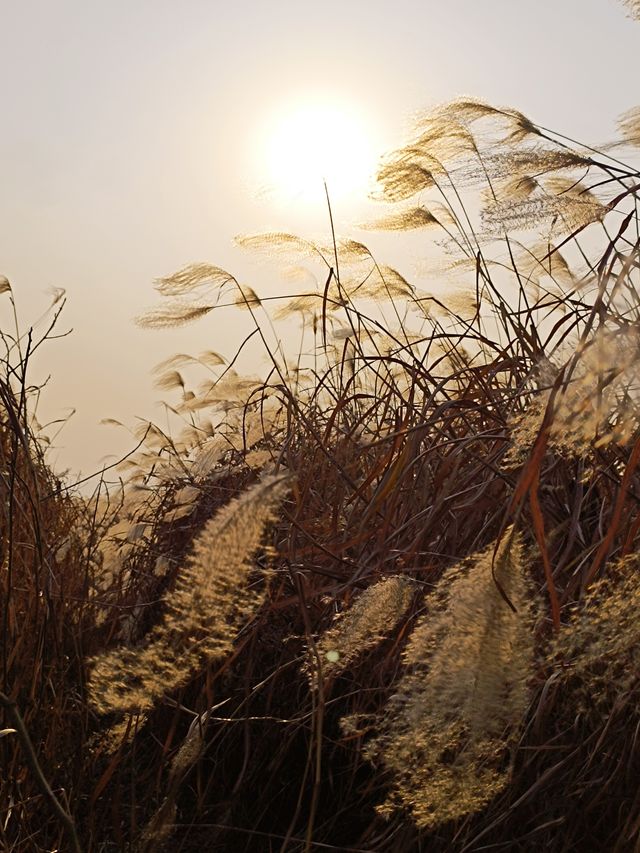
<point x="134" y="139"/>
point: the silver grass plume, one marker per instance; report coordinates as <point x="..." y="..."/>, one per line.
<point x="556" y="201"/>
<point x="209" y="605"/>
<point x="533" y="162"/>
<point x="597" y="405"/>
<point x="176" y="314"/>
<point x="634" y="8"/>
<point x="598" y="651"/>
<point x="370" y="618"/>
<point x="193" y="277"/>
<point x="445" y="734"/>
<point x="406" y="220"/>
<point x="402" y="180"/>
<point x="629" y="122"/>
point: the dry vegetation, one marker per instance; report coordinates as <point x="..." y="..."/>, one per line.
<point x="384" y="599"/>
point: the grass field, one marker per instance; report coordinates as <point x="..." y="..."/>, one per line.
<point x="384" y="597"/>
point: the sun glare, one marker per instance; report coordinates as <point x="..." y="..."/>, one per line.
<point x="319" y="142"/>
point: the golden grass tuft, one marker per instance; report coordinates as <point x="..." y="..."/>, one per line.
<point x="596" y="405"/>
<point x="634" y="8"/>
<point x="415" y="217"/>
<point x="191" y="277"/>
<point x="177" y="314"/>
<point x="369" y="619"/>
<point x="598" y="651"/>
<point x="629" y="122"/>
<point x="446" y="730"/>
<point x="558" y="203"/>
<point x="210" y="603"/>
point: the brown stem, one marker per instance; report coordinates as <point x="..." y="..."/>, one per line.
<point x="32" y="761"/>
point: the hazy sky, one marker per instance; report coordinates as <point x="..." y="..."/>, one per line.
<point x="134" y="136"/>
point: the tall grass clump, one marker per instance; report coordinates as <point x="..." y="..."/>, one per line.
<point x="457" y="709"/>
<point x="47" y="561"/>
<point x="480" y="447"/>
<point x="380" y="597"/>
<point x="600" y="651"/>
<point x="209" y="604"/>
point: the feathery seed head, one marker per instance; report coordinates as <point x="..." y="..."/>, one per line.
<point x="177" y="313"/>
<point x="415" y="217"/>
<point x="401" y="180"/>
<point x="629" y="122"/>
<point x="634" y="8"/>
<point x="192" y="277"/>
<point x="464" y="690"/>
<point x="209" y="605"/>
<point x="371" y="617"/>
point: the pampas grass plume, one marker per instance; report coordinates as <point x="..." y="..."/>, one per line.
<point x="372" y="616"/>
<point x="445" y="731"/>
<point x="209" y="605"/>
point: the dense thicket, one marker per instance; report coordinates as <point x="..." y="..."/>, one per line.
<point x="382" y="599"/>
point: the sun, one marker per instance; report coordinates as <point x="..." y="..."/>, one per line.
<point x="317" y="142"/>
